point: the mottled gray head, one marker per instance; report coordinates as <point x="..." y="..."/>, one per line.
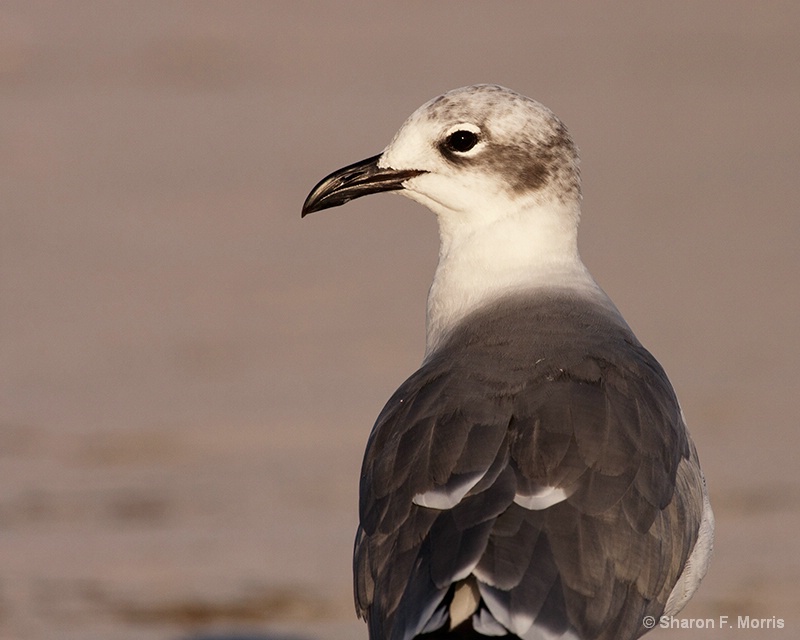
<point x="500" y="172"/>
<point x="472" y="151"/>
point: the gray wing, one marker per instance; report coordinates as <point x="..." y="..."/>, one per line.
<point x="544" y="470"/>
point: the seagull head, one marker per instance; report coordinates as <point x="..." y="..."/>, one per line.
<point x="500" y="171"/>
<point x="470" y="155"/>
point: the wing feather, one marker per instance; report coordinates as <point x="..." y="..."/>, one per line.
<point x="487" y="419"/>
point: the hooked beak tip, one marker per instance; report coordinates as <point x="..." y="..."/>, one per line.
<point x="354" y="181"/>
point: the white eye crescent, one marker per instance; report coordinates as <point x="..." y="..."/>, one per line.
<point x="461" y="139"/>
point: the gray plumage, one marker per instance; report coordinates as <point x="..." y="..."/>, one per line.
<point x="547" y="391"/>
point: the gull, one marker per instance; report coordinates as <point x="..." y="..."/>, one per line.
<point x="535" y="477"/>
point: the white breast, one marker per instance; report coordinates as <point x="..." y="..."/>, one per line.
<point x="697" y="564"/>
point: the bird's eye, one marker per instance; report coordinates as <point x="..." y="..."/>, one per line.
<point x="461" y="141"/>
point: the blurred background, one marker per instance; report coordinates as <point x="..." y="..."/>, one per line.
<point x="189" y="372"/>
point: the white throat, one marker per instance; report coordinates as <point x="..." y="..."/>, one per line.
<point x="482" y="260"/>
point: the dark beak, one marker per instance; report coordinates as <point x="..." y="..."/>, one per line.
<point x="354" y="181"/>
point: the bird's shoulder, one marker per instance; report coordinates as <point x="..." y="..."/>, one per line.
<point x="560" y="384"/>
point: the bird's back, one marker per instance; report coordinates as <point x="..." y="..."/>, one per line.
<point x="534" y="477"/>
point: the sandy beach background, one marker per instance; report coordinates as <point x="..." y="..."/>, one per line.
<point x="189" y="372"/>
